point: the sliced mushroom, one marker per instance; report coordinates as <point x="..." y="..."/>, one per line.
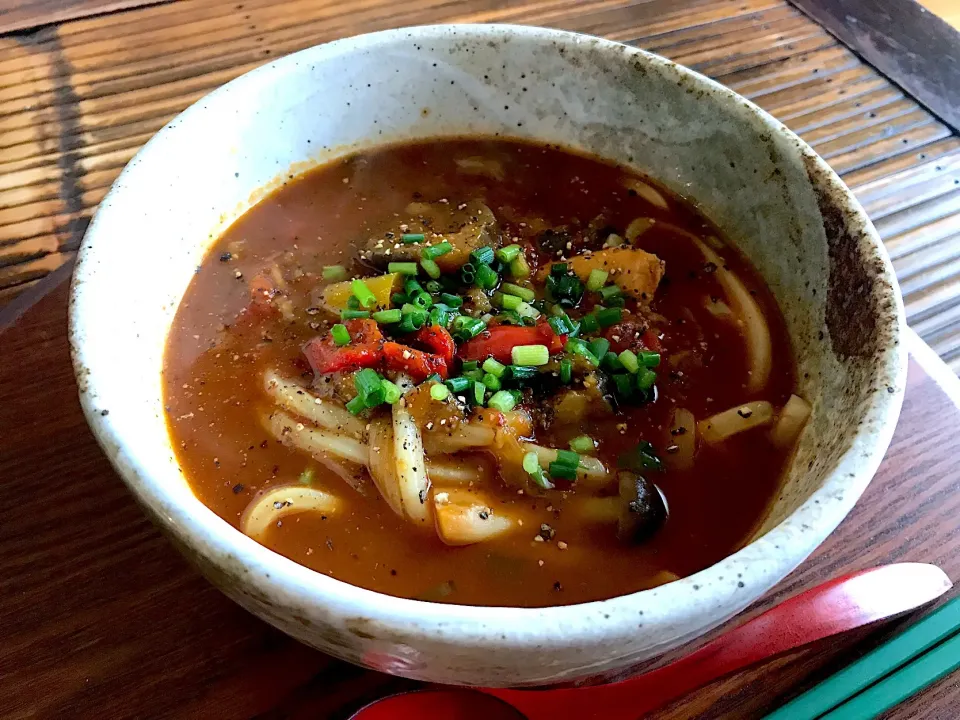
<point x="644" y="509"/>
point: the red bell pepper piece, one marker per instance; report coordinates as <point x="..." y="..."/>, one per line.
<point x="498" y="342"/>
<point x="438" y="341"/>
<point x="364" y="350"/>
<point x="417" y="364"/>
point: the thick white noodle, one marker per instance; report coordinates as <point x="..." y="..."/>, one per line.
<point x="268" y="508"/>
<point x="328" y="414"/>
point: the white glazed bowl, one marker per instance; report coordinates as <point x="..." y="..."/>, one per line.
<point x="765" y="188"/>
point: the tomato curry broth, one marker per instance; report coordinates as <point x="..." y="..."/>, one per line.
<point x="551" y="202"/>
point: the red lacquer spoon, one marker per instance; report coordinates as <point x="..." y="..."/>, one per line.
<point x="837" y="606"/>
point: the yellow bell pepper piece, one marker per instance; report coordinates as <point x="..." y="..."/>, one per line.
<point x="382" y="286"/>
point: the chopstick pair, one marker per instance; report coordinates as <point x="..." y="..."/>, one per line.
<point x="885" y="677"/>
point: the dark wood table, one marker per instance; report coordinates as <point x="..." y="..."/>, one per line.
<point x="101" y="618"/>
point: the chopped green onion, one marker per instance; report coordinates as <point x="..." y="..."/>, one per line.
<point x="466" y="327"/>
<point x="558" y="269"/>
<point x="452" y="300"/>
<point x="431" y="268"/>
<point x="589" y="324"/>
<point x="458" y="384"/>
<point x="470" y="364"/>
<point x="575" y="346"/>
<point x="479" y="391"/>
<point x="306" y="477"/>
<point x="566" y="290"/>
<point x="521" y="292"/>
<point x="439" y="392"/>
<point x="434" y="251"/>
<point x="482" y="256"/>
<point x="526" y="310"/>
<point x="421" y="299"/>
<point x="519" y="372"/>
<point x="493" y="367"/>
<point x="356" y="406"/>
<point x="642" y="457"/>
<point x="519" y="268"/>
<point x="413" y="237"/>
<point x="583" y="445"/>
<point x="597" y="279"/>
<point x="629" y="360"/>
<point x="599" y="347"/>
<point x="411" y="321"/>
<point x="391" y="391"/>
<point x="404" y="268"/>
<point x="609" y="292"/>
<point x="398" y="299"/>
<point x="508" y="254"/>
<point x="340" y="335"/>
<point x="504" y="401"/>
<point x="412" y="286"/>
<point x="491" y="382"/>
<point x="364" y="294"/>
<point x="354" y="314"/>
<point x="438" y="316"/>
<point x="530" y="355"/>
<point x="646" y="379"/>
<point x="568" y="458"/>
<point x="366" y="381"/>
<point x="609" y="316"/>
<point x="611" y="362"/>
<point x="562" y="472"/>
<point x="475" y="375"/>
<point x="566" y="371"/>
<point x="531" y="464"/>
<point x="486" y="277"/>
<point x="335" y="273"/>
<point x="353" y="303"/>
<point x="649" y="359"/>
<point x="624" y="385"/>
<point x="388" y="316"/>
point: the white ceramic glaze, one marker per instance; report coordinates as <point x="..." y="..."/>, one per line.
<point x="769" y="192"/>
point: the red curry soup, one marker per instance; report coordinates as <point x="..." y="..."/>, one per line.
<point x="482" y="372"/>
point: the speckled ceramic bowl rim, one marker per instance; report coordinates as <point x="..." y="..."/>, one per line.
<point x="287" y="583"/>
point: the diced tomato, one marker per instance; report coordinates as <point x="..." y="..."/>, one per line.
<point x="417" y="364"/>
<point x="364" y="350"/>
<point x="651" y="340"/>
<point x="498" y="342"/>
<point x="438" y="341"/>
<point x="632" y="334"/>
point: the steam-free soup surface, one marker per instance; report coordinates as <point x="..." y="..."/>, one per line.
<point x="260" y="312"/>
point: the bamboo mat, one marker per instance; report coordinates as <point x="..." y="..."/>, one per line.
<point x="79" y="98"/>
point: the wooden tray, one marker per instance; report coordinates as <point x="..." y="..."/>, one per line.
<point x="77" y="99"/>
<point x="100" y="618"/>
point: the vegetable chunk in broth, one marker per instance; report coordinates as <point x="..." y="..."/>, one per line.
<point x="482" y="372"/>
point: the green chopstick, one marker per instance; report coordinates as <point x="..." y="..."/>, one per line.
<point x="904" y="683"/>
<point x="875" y="665"/>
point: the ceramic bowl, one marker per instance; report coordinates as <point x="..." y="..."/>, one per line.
<point x="762" y="185"/>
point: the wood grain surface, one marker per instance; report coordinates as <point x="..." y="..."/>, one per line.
<point x="25" y="14"/>
<point x="78" y="98"/>
<point x="100" y="618"/>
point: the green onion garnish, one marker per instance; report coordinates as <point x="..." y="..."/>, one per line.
<point x="391" y="391"/>
<point x="623" y="384"/>
<point x="482" y="256"/>
<point x="438" y="316"/>
<point x="566" y="371"/>
<point x="583" y="445"/>
<point x="562" y="472"/>
<point x="452" y="300"/>
<point x="398" y="299"/>
<point x="470" y="365"/>
<point x="433" y="287"/>
<point x="502" y="400"/>
<point x="421" y="299"/>
<point x="531" y="464"/>
<point x="597" y="279"/>
<point x="599" y="347"/>
<point x="530" y="355"/>
<point x="561" y="325"/>
<point x="509" y="302"/>
<point x="356" y="406"/>
<point x="458" y="384"/>
<point x="475" y="375"/>
<point x="521" y="292"/>
<point x="486" y="277"/>
<point x="388" y="316"/>
<point x="439" y="392"/>
<point x="645" y="379"/>
<point x="558" y="269"/>
<point x="508" y="254"/>
<point x="411" y="321"/>
<point x="491" y="382"/>
<point x="334" y="273"/>
<point x="413" y="237"/>
<point x="494" y="368"/>
<point x="368" y="385"/>
<point x="609" y="292"/>
<point x="363" y="294"/>
<point x="479" y="391"/>
<point x="576" y="346"/>
<point x="629" y="360"/>
<point x="431" y="268"/>
<point x="609" y="316"/>
<point x="404" y="268"/>
<point x="353" y="303"/>
<point x="354" y="314"/>
<point x="340" y="335"/>
<point x="306" y="477"/>
<point x="466" y="327"/>
<point x="521" y="372"/>
<point x="642" y="457"/>
<point x="519" y="268"/>
<point x="526" y="310"/>
<point x="649" y="359"/>
<point x="411" y="286"/>
<point x="434" y="251"/>
<point x="611" y="362"/>
<point x="568" y="458"/>
<point x="589" y="324"/>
